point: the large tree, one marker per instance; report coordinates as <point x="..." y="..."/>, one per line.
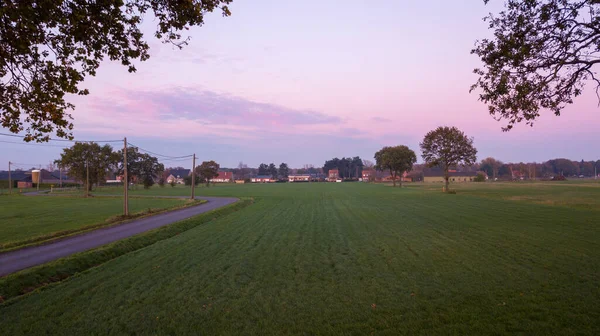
<point x="263" y="169"/>
<point x="88" y="156"/>
<point x="207" y="171"/>
<point x="273" y="170"/>
<point x="541" y="55"/>
<point x="447" y="147"/>
<point x="47" y="48"/>
<point x="284" y="170"/>
<point x="396" y="160"/>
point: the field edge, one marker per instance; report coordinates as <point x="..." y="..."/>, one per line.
<point x="111" y="221"/>
<point x="17" y="285"/>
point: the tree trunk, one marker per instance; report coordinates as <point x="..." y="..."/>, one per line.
<point x="393" y="177"/>
<point x="447" y="180"/>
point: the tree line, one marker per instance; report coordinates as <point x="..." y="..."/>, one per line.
<point x="90" y="163"/>
<point x="348" y="168"/>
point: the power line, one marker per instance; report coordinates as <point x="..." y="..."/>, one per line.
<point x="63" y="140"/>
<point x="33" y="144"/>
<point x="163" y="155"/>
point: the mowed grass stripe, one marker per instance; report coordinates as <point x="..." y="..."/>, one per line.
<point x="356" y="259"/>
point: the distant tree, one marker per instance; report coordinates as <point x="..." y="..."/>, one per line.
<point x="273" y="171"/>
<point x="172" y="183"/>
<point x="490" y="166"/>
<point x="368" y="164"/>
<point x="80" y="156"/>
<point x="51" y="166"/>
<point x="263" y="169"/>
<point x="396" y="160"/>
<point x="161" y="182"/>
<point x="207" y="171"/>
<point x="141" y="166"/>
<point x="447" y="147"/>
<point x="564" y="167"/>
<point x="284" y="170"/>
<point x="47" y="48"/>
<point x="242" y="172"/>
<point x="188" y="179"/>
<point x="542" y="54"/>
<point x="479" y="178"/>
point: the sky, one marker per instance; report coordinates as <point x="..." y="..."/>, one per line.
<point x="305" y="81"/>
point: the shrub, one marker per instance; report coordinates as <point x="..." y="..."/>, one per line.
<point x="172" y="183"/>
<point x="161" y="182"/>
<point x="559" y="178"/>
<point x="479" y="178"/>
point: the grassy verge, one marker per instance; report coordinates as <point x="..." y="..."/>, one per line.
<point x="28" y="280"/>
<point x="25" y="217"/>
<point x="111" y="221"/>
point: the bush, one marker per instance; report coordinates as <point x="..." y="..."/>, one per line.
<point x="479" y="178"/>
<point x="559" y="178"/>
<point x="161" y="182"/>
<point x="172" y="183"/>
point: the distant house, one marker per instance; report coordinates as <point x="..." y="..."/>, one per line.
<point x="368" y="175"/>
<point x="23" y="179"/>
<point x="435" y="176"/>
<point x="262" y="179"/>
<point x="223" y="177"/>
<point x="301" y="178"/>
<point x="178" y="175"/>
<point x="333" y="175"/>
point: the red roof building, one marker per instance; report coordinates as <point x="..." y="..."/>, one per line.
<point x="223" y="177"/>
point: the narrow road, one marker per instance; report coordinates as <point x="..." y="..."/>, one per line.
<point x="17" y="260"/>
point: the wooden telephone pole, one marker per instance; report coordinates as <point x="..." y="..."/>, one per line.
<point x="193" y="176"/>
<point x="9" y="179"/>
<point x="125" y="180"/>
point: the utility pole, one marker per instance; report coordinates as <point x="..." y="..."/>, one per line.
<point x="60" y="176"/>
<point x="9" y="179"/>
<point x="87" y="178"/>
<point x="126" y="180"/>
<point x="193" y="176"/>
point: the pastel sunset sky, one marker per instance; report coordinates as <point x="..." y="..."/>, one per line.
<point x="304" y="81"/>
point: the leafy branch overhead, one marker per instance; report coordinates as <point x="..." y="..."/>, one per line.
<point x="541" y="56"/>
<point x="47" y="48"/>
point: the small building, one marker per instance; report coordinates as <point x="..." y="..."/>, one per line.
<point x="178" y="175"/>
<point x="333" y="175"/>
<point x="301" y="178"/>
<point x="262" y="179"/>
<point x="240" y="181"/>
<point x="368" y="175"/>
<point x="223" y="177"/>
<point x="454" y="176"/>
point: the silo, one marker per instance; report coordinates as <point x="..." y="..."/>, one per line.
<point x="35" y="176"/>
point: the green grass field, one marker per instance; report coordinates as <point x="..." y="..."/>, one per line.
<point x="348" y="258"/>
<point x="25" y="217"/>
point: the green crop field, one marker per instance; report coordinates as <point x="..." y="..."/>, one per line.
<point x="23" y="218"/>
<point x="349" y="258"/>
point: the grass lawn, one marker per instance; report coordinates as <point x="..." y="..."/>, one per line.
<point x="345" y="258"/>
<point x="26" y="217"/>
